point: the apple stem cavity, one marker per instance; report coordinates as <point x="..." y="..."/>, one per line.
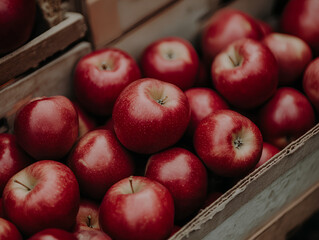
<point x="131" y="183"/>
<point x="236" y="61"/>
<point x="105" y="66"/>
<point x="238" y="143"/>
<point x="170" y="55"/>
<point x="16" y="181"/>
<point x="162" y="101"/>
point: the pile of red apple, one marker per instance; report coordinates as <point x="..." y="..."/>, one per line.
<point x="144" y="146"/>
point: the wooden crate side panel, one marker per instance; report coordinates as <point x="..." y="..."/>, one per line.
<point x="40" y="48"/>
<point x="55" y="78"/>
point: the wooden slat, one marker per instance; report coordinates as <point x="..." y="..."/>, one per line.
<point x="43" y="46"/>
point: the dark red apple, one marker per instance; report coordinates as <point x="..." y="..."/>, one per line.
<point x="268" y="152"/>
<point x="47" y="127"/>
<point x="137" y="208"/>
<point x="300" y="18"/>
<point x="98" y="161"/>
<point x="292" y="55"/>
<point x="8" y="231"/>
<point x="12" y="159"/>
<point x="171" y="59"/>
<point x="150" y="115"/>
<point x="264" y="27"/>
<point x="228" y="143"/>
<point x="245" y="73"/>
<point x="212" y="197"/>
<point x="285" y="117"/>
<point x="184" y="175"/>
<point x="43" y="195"/>
<point x="202" y="101"/>
<point x="100" y="76"/>
<point x="224" y="27"/>
<point x="310" y="83"/>
<point x="88" y="216"/>
<point x="17" y="18"/>
<point x="53" y="234"/>
<point x="86" y="234"/>
<point x="1" y="209"/>
<point x="86" y="122"/>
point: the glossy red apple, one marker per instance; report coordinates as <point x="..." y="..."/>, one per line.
<point x="310" y="83"/>
<point x="224" y="27"/>
<point x="268" y="152"/>
<point x="8" y="231"/>
<point x="184" y="175"/>
<point x="43" y="195"/>
<point x="292" y="55"/>
<point x="300" y="18"/>
<point x="202" y="101"/>
<point x="47" y="127"/>
<point x="285" y="117"/>
<point x="171" y="59"/>
<point x="86" y="234"/>
<point x="245" y="73"/>
<point x="88" y="216"/>
<point x="228" y="143"/>
<point x="98" y="161"/>
<point x="53" y="234"/>
<point x="17" y="18"/>
<point x="86" y="122"/>
<point x="12" y="158"/>
<point x="137" y="208"/>
<point x="100" y="76"/>
<point x="150" y="115"/>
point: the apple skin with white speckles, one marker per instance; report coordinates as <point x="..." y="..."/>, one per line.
<point x="184" y="175"/>
<point x="98" y="161"/>
<point x="150" y="115"/>
<point x="228" y="143"/>
<point x="137" y="208"/>
<point x="43" y="195"/>
<point x="173" y="60"/>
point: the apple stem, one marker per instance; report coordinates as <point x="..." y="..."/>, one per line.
<point x="89" y="221"/>
<point x="131" y="183"/>
<point x="105" y="66"/>
<point x="162" y="101"/>
<point x="238" y="143"/>
<point x="16" y="181"/>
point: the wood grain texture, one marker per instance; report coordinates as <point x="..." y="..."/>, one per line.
<point x="31" y="54"/>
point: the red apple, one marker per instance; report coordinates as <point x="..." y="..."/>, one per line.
<point x="228" y="143"/>
<point x="86" y="123"/>
<point x="1" y="209"/>
<point x="86" y="234"/>
<point x="184" y="175"/>
<point x="43" y="195"/>
<point x="17" y="19"/>
<point x="300" y="18"/>
<point x="98" y="161"/>
<point x="224" y="27"/>
<point x="285" y="117"/>
<point x="150" y="115"/>
<point x="137" y="208"/>
<point x="100" y="76"/>
<point x="53" y="234"/>
<point x="12" y="159"/>
<point x="212" y="197"/>
<point x="171" y="59"/>
<point x="245" y="73"/>
<point x="268" y="152"/>
<point x="8" y="230"/>
<point x="203" y="76"/>
<point x="202" y="101"/>
<point x="47" y="127"/>
<point x="88" y="216"/>
<point x="310" y="82"/>
<point x="292" y="55"/>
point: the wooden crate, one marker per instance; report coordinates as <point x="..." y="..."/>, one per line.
<point x="266" y="204"/>
<point x="34" y="52"/>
